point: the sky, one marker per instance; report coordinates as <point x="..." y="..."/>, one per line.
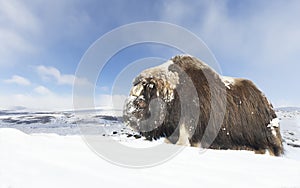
<point x="42" y="43"/>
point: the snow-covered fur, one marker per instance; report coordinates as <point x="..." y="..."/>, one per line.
<point x="154" y="108"/>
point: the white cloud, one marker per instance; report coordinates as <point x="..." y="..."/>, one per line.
<point x="104" y="88"/>
<point x="113" y="101"/>
<point x="252" y="39"/>
<point x="256" y="32"/>
<point x="16" y="14"/>
<point x="42" y="90"/>
<point x="18" y="80"/>
<point x="62" y="79"/>
<point x="102" y="100"/>
<point x="12" y="42"/>
<point x="54" y="102"/>
<point x="27" y="27"/>
<point x="37" y="102"/>
<point x="17" y="27"/>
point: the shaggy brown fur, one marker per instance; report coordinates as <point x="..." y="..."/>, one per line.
<point x="245" y="124"/>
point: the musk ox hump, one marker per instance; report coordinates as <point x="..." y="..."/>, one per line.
<point x="228" y="81"/>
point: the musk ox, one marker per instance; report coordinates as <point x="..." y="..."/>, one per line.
<point x="184" y="100"/>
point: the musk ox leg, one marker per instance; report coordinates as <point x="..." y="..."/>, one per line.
<point x="265" y="151"/>
<point x="278" y="148"/>
<point x="196" y="144"/>
<point x="260" y="151"/>
<point x="167" y="141"/>
<point x="275" y="147"/>
<point x="183" y="136"/>
<point x="271" y="152"/>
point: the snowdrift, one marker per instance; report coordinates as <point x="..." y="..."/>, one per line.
<point x="49" y="160"/>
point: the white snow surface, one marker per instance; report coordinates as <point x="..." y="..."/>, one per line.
<point x="52" y="160"/>
<point x="65" y="161"/>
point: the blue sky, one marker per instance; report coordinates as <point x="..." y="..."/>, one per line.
<point x="42" y="43"/>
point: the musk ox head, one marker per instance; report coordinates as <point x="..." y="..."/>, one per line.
<point x="152" y="93"/>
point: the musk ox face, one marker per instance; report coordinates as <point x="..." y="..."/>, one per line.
<point x="146" y="107"/>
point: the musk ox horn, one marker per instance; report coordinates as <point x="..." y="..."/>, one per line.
<point x="248" y="121"/>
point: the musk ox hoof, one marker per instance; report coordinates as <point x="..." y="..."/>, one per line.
<point x="162" y="104"/>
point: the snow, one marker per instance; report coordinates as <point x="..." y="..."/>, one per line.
<point x="57" y="161"/>
<point x="228" y="81"/>
<point x="162" y="72"/>
<point x="130" y="100"/>
<point x="64" y="160"/>
<point x="290" y="131"/>
<point x="274" y="123"/>
<point x="165" y="66"/>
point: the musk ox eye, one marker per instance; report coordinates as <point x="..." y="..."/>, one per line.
<point x="150" y="91"/>
<point x="151" y="85"/>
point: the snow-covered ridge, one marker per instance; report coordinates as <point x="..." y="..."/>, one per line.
<point x="69" y="123"/>
<point x="61" y="123"/>
<point x="290" y="131"/>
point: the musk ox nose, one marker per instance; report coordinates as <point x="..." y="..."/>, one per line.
<point x="140" y="103"/>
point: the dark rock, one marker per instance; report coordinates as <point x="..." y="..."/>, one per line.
<point x="294" y="145"/>
<point x="137" y="136"/>
<point x="109" y="118"/>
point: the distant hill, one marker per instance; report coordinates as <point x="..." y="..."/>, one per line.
<point x="288" y="109"/>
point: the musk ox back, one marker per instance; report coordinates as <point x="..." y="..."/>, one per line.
<point x="155" y="108"/>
